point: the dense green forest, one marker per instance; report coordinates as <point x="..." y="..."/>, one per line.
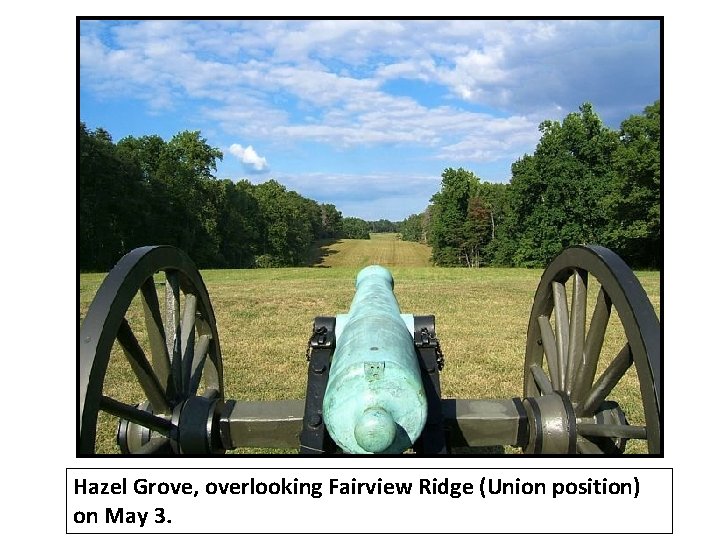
<point x="145" y="190"/>
<point x="585" y="183"/>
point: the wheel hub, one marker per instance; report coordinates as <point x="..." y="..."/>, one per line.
<point x="196" y="429"/>
<point x="551" y="420"/>
<point x="610" y="413"/>
<point x="553" y="425"/>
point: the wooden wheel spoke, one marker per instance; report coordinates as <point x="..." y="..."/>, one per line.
<point x="211" y="393"/>
<point x="611" y="402"/>
<point x="135" y="415"/>
<point x="198" y="363"/>
<point x="173" y="330"/>
<point x="550" y="348"/>
<point x="156" y="331"/>
<point x="607" y="381"/>
<point x="593" y="345"/>
<point x="612" y="430"/>
<point x="541" y="380"/>
<point x="577" y="328"/>
<point x="149" y="382"/>
<point x="188" y="340"/>
<point x="169" y="364"/>
<point x="562" y="330"/>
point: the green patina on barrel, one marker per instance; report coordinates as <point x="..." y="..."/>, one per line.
<point x="374" y="402"/>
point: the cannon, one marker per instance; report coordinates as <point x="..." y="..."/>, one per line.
<point x="374" y="401"/>
<point x="373" y="374"/>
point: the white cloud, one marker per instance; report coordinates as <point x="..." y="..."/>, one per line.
<point x="477" y="60"/>
<point x="498" y="138"/>
<point x="322" y="81"/>
<point x="252" y="162"/>
<point x="369" y="196"/>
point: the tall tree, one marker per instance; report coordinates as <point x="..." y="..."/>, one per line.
<point x="411" y="228"/>
<point x="556" y="195"/>
<point x="331" y="221"/>
<point x="192" y="151"/>
<point x="291" y="224"/>
<point x="180" y="178"/>
<point x="463" y="218"/>
<point x="634" y="204"/>
<point x="476" y="233"/>
<point x="450" y="210"/>
<point x="112" y="201"/>
<point x="357" y="228"/>
<point x="240" y="224"/>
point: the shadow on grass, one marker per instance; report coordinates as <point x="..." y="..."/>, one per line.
<point x="320" y="251"/>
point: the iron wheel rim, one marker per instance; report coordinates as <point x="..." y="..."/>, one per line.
<point x="619" y="290"/>
<point x="167" y="382"/>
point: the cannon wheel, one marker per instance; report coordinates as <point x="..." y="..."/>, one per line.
<point x="562" y="356"/>
<point x="180" y="337"/>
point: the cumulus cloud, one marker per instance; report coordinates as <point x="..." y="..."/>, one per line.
<point x="329" y="82"/>
<point x="252" y="162"/>
<point x="340" y="66"/>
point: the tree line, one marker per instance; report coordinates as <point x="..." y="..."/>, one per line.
<point x="585" y="183"/>
<point x="145" y="190"/>
<point x="353" y="227"/>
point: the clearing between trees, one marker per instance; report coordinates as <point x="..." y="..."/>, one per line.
<point x="385" y="249"/>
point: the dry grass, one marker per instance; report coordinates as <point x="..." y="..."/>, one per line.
<point x="264" y="319"/>
<point x="382" y="248"/>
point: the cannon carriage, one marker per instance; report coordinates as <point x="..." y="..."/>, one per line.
<point x="373" y="374"/>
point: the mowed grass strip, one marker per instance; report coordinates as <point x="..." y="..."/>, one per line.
<point x="265" y="317"/>
<point x="383" y="248"/>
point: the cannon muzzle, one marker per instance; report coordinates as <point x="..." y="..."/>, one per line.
<point x="374" y="402"/>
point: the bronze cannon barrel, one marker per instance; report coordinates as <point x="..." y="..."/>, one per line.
<point x="374" y="402"/>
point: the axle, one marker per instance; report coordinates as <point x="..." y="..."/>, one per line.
<point x="545" y="427"/>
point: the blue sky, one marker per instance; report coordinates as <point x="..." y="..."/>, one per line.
<point x="363" y="114"/>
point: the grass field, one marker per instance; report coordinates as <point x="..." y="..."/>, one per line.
<point x="264" y="319"/>
<point x="384" y="249"/>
